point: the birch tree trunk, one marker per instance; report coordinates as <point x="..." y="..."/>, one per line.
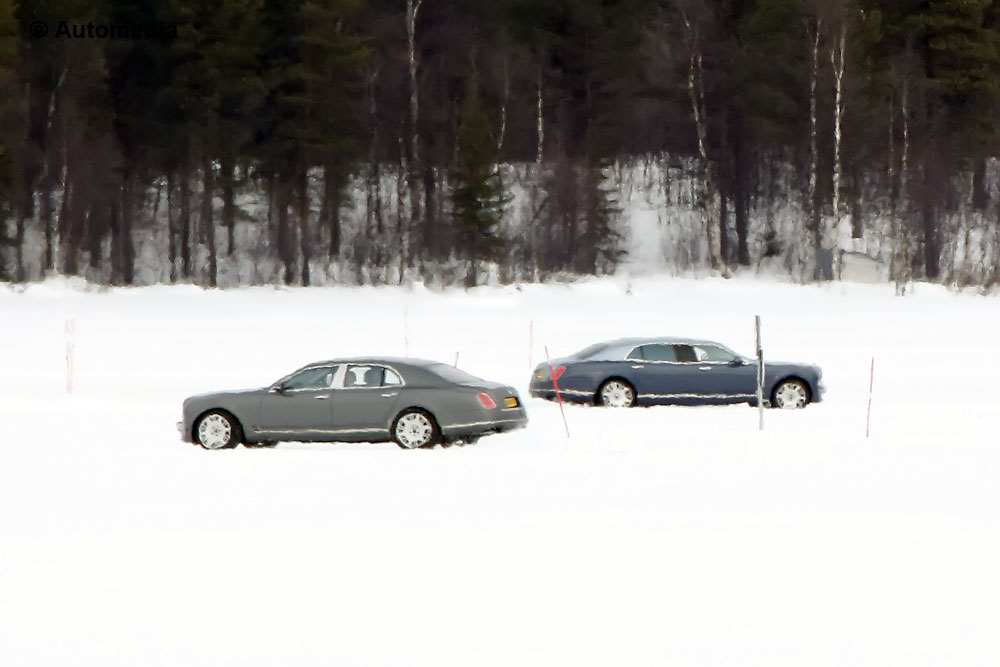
<point x="839" y="62"/>
<point x="207" y="222"/>
<point x="902" y="240"/>
<point x="696" y="95"/>
<point x="503" y="106"/>
<point x="185" y="222"/>
<point x="540" y="125"/>
<point x="816" y="219"/>
<point x="412" y="9"/>
<point x="413" y="176"/>
<point x="302" y="211"/>
<point x="171" y="229"/>
<point x="48" y="182"/>
<point x="227" y="169"/>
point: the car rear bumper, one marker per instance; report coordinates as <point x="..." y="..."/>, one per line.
<point x="504" y="422"/>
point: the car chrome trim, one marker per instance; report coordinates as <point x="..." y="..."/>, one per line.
<point x="321" y="430"/>
<point x="486" y="423"/>
<point x="697" y="395"/>
<point x="570" y="392"/>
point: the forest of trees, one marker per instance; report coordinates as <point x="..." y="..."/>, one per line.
<point x="386" y="138"/>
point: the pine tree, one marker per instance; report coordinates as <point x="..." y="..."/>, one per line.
<point x="479" y="197"/>
<point x="212" y="95"/>
<point x="312" y="72"/>
<point x="333" y="59"/>
<point x="11" y="131"/>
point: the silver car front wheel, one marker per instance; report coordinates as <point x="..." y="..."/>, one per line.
<point x="791" y="394"/>
<point x="414" y="429"/>
<point x="617" y="394"/>
<point x="218" y="430"/>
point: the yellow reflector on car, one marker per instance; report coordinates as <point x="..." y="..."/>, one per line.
<point x="540" y="375"/>
<point x="510" y="402"/>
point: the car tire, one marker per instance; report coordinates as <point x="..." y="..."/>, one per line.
<point x="791" y="394"/>
<point x="217" y="429"/>
<point x="616" y="393"/>
<point x="415" y="428"/>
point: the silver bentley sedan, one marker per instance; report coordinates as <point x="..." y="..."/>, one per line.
<point x="413" y="402"/>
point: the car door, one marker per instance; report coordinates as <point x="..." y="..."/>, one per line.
<point x="301" y="406"/>
<point x="662" y="376"/>
<point x="366" y="400"/>
<point x="721" y="380"/>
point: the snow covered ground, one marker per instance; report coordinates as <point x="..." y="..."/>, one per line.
<point x="649" y="537"/>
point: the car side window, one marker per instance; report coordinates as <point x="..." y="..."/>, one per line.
<point x="659" y="353"/>
<point x="391" y="378"/>
<point x="713" y="353"/>
<point x="363" y="375"/>
<point x="684" y="353"/>
<point x="312" y="378"/>
<point x="636" y="354"/>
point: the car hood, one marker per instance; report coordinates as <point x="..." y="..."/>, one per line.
<point x="223" y="394"/>
<point x="790" y="366"/>
<point x="544" y="367"/>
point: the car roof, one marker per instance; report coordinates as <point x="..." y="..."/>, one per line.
<point x="668" y="340"/>
<point x="391" y="361"/>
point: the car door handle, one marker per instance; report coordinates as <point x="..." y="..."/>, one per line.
<point x="636" y="366"/>
<point x="704" y="368"/>
<point x="321" y="397"/>
<point x="390" y="394"/>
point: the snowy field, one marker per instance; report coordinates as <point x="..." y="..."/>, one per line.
<point x="662" y="536"/>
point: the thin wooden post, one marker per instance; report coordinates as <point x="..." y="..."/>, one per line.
<point x="760" y="377"/>
<point x="871" y="386"/>
<point x="70" y="353"/>
<point x="406" y="330"/>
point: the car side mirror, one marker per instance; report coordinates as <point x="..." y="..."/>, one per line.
<point x="277" y="388"/>
<point x="738" y="361"/>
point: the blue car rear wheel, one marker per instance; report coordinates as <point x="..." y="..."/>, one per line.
<point x="616" y="393"/>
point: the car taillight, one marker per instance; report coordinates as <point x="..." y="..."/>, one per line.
<point x="485" y="399"/>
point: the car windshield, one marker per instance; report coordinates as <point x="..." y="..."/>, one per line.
<point x="588" y="352"/>
<point x="452" y="374"/>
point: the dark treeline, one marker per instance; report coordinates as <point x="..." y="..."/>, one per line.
<point x="388" y="138"/>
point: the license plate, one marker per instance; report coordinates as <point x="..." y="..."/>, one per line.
<point x="510" y="402"/>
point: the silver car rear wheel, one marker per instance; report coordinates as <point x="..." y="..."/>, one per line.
<point x="617" y="394"/>
<point x="414" y="429"/>
<point x="218" y="430"/>
<point x="791" y="395"/>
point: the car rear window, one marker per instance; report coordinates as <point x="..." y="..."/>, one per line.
<point x="588" y="352"/>
<point x="452" y="374"/>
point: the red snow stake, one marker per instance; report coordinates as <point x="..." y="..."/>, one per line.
<point x="556" y="374"/>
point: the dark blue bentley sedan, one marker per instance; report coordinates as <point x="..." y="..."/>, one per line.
<point x="673" y="371"/>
